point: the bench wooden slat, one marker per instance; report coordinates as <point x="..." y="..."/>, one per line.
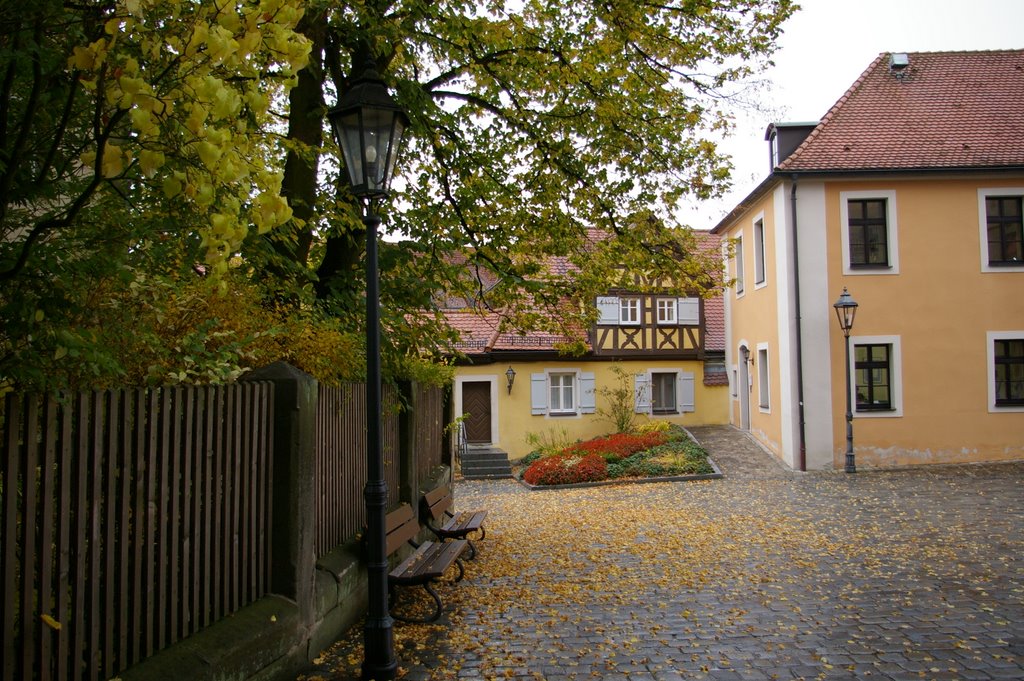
<point x="418" y="567"/>
<point x="429" y="562"/>
<point x="401" y="527"/>
<point x="464" y="523"/>
<point x="438" y="501"/>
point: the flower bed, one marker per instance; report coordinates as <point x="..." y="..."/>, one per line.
<point x="566" y="468"/>
<point x="618" y="446"/>
<point x="665" y="453"/>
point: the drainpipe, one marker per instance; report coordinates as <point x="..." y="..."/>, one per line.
<point x="802" y="460"/>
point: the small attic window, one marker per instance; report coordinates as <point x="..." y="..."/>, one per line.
<point x="773" y="150"/>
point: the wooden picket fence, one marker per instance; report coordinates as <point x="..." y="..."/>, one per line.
<point x="135" y="518"/>
<point x="131" y="519"/>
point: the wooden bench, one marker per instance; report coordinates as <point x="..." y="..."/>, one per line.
<point x="437" y="505"/>
<point x="427" y="564"/>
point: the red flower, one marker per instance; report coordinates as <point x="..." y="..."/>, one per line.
<point x="618" y="446"/>
<point x="566" y="468"/>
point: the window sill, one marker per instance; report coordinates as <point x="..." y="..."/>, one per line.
<point x="560" y="414"/>
<point x="877" y="413"/>
<point x="1004" y="267"/>
<point x="869" y="270"/>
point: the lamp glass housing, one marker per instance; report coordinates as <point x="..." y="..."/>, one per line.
<point x="846" y="311"/>
<point x="369" y="126"/>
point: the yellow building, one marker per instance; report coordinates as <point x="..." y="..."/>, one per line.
<point x="515" y="391"/>
<point x="907" y="193"/>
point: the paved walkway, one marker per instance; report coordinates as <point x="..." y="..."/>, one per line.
<point x="764" y="574"/>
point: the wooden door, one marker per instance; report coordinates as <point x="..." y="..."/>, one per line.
<point x="476" y="404"/>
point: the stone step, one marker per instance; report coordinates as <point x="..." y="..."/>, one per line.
<point x="481" y="462"/>
<point x="485" y="455"/>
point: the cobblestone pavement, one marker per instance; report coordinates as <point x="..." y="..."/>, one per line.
<point x="764" y="574"/>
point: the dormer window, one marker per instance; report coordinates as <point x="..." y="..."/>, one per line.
<point x="784" y="138"/>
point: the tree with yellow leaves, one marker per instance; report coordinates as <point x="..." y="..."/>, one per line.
<point x="127" y="123"/>
<point x="534" y="126"/>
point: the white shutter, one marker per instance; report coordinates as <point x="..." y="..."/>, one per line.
<point x="608" y="308"/>
<point x="687" y="399"/>
<point x="538" y="393"/>
<point x="689" y="311"/>
<point x="642" y="393"/>
<point x="588" y="403"/>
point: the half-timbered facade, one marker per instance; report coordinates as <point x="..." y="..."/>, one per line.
<point x="639" y="325"/>
<point x="514" y="389"/>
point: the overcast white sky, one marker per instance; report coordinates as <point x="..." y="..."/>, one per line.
<point x="825" y="48"/>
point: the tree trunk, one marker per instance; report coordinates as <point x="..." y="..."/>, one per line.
<point x="305" y="127"/>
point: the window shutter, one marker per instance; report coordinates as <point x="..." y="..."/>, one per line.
<point x="538" y="393"/>
<point x="608" y="308"/>
<point x="642" y="393"/>
<point x="689" y="311"/>
<point x="687" y="400"/>
<point x="588" y="403"/>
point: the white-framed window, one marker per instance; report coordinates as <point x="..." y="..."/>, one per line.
<point x="629" y="311"/>
<point x="1005" y="371"/>
<point x="869" y="232"/>
<point x="1001" y="225"/>
<point x="876" y="376"/>
<point x="664" y="391"/>
<point x="562" y="392"/>
<point x="738" y="264"/>
<point x="759" y="264"/>
<point x="613" y="310"/>
<point x="667" y="309"/>
<point x="763" y="385"/>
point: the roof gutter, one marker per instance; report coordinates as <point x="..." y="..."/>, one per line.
<point x="802" y="458"/>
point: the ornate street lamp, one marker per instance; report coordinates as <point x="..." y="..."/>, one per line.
<point x="368" y="126"/>
<point x="510" y="378"/>
<point x="846" y="310"/>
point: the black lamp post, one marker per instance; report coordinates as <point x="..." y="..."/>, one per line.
<point x="368" y="126"/>
<point x="846" y="310"/>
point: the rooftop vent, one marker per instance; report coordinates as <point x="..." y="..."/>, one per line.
<point x="898" y="63"/>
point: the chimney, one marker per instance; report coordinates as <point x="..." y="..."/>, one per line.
<point x="898" y="63"/>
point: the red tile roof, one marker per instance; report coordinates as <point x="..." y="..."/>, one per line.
<point x="714" y="323"/>
<point x="944" y="110"/>
<point x="479" y="331"/>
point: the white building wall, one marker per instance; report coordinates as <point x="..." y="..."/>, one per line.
<point x="789" y="413"/>
<point x="816" y="315"/>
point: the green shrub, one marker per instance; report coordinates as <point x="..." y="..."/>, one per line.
<point x="548" y="442"/>
<point x="531" y="457"/>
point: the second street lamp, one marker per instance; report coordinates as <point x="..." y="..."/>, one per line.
<point x="846" y="310"/>
<point x="368" y="126"/>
